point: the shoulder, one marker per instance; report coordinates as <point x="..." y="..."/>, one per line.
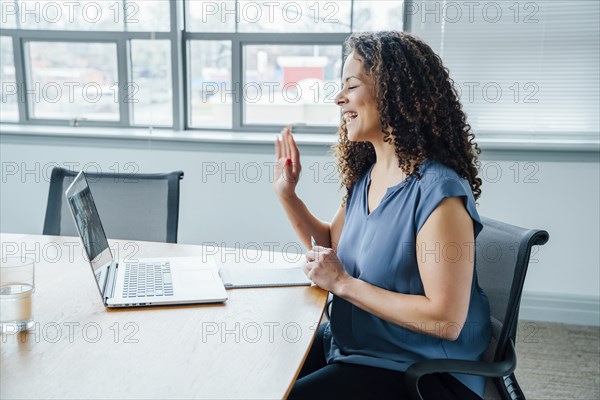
<point x="434" y="174"/>
<point x="438" y="182"/>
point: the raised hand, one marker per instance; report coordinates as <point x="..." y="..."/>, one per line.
<point x="287" y="167"/>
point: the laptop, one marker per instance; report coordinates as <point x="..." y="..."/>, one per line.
<point x="139" y="282"/>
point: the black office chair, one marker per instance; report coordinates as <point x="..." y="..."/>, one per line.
<point x="502" y="257"/>
<point x="131" y="206"/>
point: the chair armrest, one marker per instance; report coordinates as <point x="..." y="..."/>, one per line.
<point x="491" y="370"/>
<point x="328" y="306"/>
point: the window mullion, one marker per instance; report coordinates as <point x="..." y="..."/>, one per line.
<point x="352" y="16"/>
<point x="237" y="74"/>
<point x="406" y="18"/>
<point x="126" y="94"/>
<point x="20" y="77"/>
<point x="179" y="71"/>
<point x="124" y="11"/>
<point x="126" y="89"/>
<point x="237" y="22"/>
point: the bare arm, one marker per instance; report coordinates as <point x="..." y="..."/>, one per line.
<point x="337" y="224"/>
<point x="442" y="310"/>
<point x="303" y="221"/>
<point x="305" y="224"/>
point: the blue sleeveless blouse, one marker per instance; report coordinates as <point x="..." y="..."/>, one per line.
<point x="380" y="248"/>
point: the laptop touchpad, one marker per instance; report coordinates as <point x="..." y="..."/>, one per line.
<point x="196" y="277"/>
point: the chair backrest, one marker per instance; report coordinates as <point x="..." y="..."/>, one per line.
<point x="502" y="257"/>
<point x="131" y="206"/>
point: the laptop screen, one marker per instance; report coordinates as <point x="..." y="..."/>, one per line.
<point x="89" y="226"/>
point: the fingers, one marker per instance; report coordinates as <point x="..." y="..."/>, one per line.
<point x="316" y="253"/>
<point x="308" y="268"/>
<point x="288" y="170"/>
<point x="294" y="153"/>
<point x="278" y="150"/>
<point x="286" y="147"/>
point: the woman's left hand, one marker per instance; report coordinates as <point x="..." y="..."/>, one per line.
<point x="324" y="268"/>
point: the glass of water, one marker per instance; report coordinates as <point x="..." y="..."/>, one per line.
<point x="16" y="289"/>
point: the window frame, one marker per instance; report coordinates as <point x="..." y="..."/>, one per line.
<point x="27" y="103"/>
<point x="20" y="38"/>
<point x="180" y="69"/>
<point x="181" y="129"/>
<point x="238" y="41"/>
<point x="180" y="72"/>
<point x="179" y="39"/>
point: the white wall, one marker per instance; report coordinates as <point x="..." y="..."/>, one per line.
<point x="555" y="191"/>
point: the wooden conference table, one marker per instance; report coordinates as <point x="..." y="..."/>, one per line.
<point x="251" y="347"/>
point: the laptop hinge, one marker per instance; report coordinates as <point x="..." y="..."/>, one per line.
<point x="111" y="281"/>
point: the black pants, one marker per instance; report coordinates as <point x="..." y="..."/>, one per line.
<point x="319" y="380"/>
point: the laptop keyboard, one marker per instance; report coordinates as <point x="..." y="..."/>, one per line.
<point x="148" y="280"/>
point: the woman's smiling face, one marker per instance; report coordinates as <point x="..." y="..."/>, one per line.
<point x="358" y="103"/>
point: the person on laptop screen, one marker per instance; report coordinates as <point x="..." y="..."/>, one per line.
<point x="398" y="253"/>
<point x="91" y="229"/>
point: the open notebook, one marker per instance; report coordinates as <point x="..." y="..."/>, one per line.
<point x="262" y="277"/>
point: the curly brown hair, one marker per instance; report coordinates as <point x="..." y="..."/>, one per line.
<point x="417" y="99"/>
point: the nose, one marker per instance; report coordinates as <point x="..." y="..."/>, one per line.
<point x="340" y="98"/>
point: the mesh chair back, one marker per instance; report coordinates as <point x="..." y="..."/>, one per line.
<point x="131" y="206"/>
<point x="502" y="255"/>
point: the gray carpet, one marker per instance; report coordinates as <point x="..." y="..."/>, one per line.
<point x="558" y="361"/>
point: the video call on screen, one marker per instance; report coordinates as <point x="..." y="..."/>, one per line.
<point x="89" y="223"/>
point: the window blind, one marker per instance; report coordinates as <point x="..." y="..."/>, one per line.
<point x="523" y="68"/>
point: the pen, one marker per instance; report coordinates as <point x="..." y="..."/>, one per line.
<point x="313" y="242"/>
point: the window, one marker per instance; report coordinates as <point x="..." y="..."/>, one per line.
<point x="193" y="64"/>
<point x="105" y="63"/>
<point x="151" y="88"/>
<point x="210" y="84"/>
<point x="8" y="89"/>
<point x="256" y="65"/>
<point x="285" y="85"/>
<point x="72" y="79"/>
<point x="521" y="67"/>
<point x="248" y="65"/>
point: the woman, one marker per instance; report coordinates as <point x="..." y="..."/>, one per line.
<point x="398" y="255"/>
